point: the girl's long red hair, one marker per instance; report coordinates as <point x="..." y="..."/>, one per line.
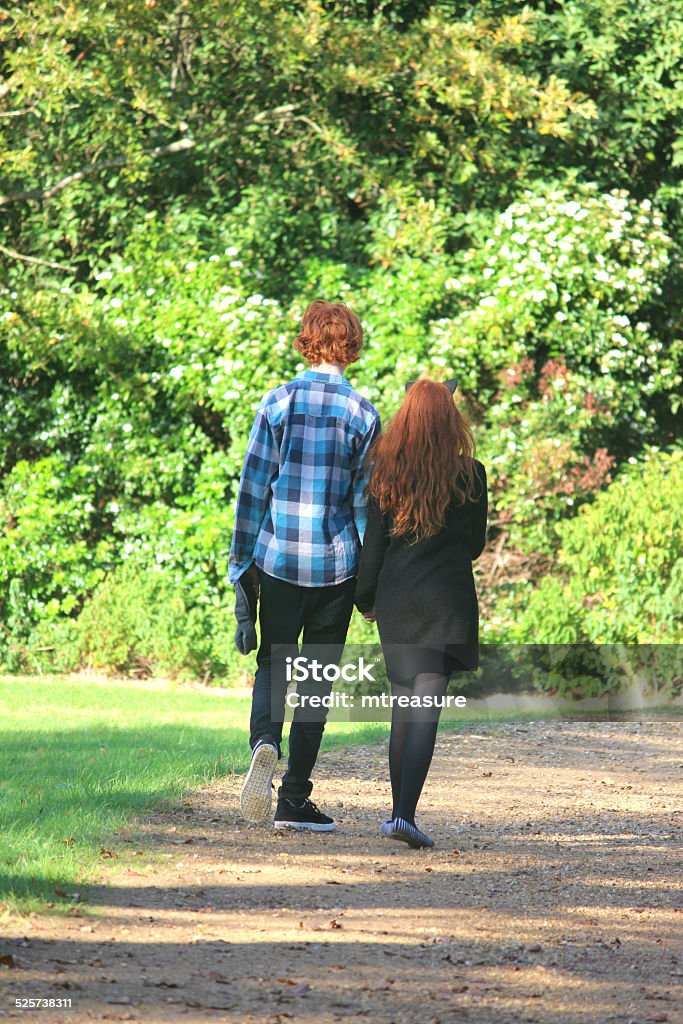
<point x="423" y="461"/>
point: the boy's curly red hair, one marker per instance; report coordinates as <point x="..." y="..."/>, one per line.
<point x="330" y="333"/>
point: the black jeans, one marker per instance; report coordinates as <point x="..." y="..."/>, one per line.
<point x="285" y="609"/>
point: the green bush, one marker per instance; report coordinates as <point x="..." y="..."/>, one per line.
<point x="50" y="553"/>
<point x="144" y="623"/>
<point x="619" y="572"/>
<point x="554" y="346"/>
<point x="148" y="387"/>
<point x="583" y="670"/>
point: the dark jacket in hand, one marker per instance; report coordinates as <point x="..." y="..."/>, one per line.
<point x="245" y="613"/>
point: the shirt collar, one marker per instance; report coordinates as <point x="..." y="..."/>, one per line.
<point x="324" y="376"/>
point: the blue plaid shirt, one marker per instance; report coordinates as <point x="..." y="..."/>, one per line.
<point x="301" y="512"/>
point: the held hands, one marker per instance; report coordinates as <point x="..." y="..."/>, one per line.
<point x="369" y="615"/>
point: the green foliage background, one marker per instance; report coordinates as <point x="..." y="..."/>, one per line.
<point x="494" y="186"/>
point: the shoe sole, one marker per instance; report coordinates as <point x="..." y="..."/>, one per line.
<point x="409" y="842"/>
<point x="305" y="826"/>
<point x="256" y="798"/>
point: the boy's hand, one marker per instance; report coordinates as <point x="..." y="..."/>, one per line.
<point x="369" y="616"/>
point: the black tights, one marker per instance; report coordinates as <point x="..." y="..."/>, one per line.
<point x="411" y="744"/>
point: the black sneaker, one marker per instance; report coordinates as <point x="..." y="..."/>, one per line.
<point x="256" y="798"/>
<point x="304" y="815"/>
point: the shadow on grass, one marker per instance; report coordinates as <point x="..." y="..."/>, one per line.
<point x="63" y="793"/>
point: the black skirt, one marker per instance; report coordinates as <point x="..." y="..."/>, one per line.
<point x="404" y="662"/>
<point x="424" y="594"/>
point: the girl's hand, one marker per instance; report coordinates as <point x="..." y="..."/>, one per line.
<point x="369" y="616"/>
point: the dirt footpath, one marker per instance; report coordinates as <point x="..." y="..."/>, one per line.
<point x="555" y="894"/>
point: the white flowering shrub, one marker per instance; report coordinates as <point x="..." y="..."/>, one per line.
<point x="555" y="348"/>
<point x="566" y="277"/>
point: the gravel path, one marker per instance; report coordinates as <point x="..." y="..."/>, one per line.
<point x="555" y="894"/>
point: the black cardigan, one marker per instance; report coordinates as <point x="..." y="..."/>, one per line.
<point x="424" y="593"/>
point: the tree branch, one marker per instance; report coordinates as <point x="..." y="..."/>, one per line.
<point x="17" y="113"/>
<point x="181" y="145"/>
<point x="119" y="161"/>
<point x="33" y="259"/>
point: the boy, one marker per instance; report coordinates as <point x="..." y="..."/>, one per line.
<point x="299" y="524"/>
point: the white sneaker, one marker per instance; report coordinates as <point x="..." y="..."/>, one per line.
<point x="256" y="798"/>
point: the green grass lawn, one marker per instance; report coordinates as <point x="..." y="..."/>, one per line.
<point x="80" y="759"/>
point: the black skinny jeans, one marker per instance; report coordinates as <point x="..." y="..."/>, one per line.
<point x="285" y="609"/>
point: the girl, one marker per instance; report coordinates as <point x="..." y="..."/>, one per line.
<point x="427" y="511"/>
